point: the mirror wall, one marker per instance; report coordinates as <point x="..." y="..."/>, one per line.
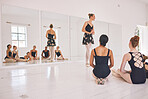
<point x="25" y="28"/>
<point x="20" y="27"/>
<point x="61" y="28"/>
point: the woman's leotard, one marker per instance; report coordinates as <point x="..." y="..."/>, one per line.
<point x="51" y="41"/>
<point x="10" y="55"/>
<point x="138" y="75"/>
<point x="46" y="54"/>
<point x="33" y="54"/>
<point x="88" y="38"/>
<point x="58" y="53"/>
<point x="101" y="69"/>
<point x="14" y="54"/>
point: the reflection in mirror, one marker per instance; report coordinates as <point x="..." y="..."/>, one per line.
<point x="55" y="36"/>
<point x="20" y="32"/>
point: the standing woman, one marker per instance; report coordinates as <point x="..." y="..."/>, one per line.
<point x="88" y="40"/>
<point x="51" y="36"/>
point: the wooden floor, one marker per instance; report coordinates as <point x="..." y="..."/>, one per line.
<point x="65" y="80"/>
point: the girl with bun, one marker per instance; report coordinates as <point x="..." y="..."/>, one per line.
<point x="88" y="40"/>
<point x="135" y="59"/>
<point x="101" y="54"/>
<point x="51" y="36"/>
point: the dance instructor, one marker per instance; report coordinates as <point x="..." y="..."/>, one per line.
<point x="88" y="40"/>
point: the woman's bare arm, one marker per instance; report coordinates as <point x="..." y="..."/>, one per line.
<point x="92" y="59"/>
<point x="42" y="55"/>
<point x="31" y="52"/>
<point x="36" y="54"/>
<point x="126" y="58"/>
<point x="47" y="34"/>
<point x="83" y="29"/>
<point x="111" y="59"/>
<point x="61" y="54"/>
<point x="93" y="31"/>
<point x="54" y="35"/>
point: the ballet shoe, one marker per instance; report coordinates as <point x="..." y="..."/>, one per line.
<point x="100" y="81"/>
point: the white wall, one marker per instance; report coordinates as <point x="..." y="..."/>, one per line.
<point x="130" y="14"/>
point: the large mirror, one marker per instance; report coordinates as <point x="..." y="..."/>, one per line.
<point x="51" y="37"/>
<point x="20" y="28"/>
<point x="55" y="37"/>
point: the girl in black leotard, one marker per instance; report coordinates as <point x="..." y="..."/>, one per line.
<point x="137" y="74"/>
<point x="34" y="53"/>
<point x="51" y="36"/>
<point x="59" y="55"/>
<point x="101" y="54"/>
<point x="16" y="56"/>
<point x="9" y="57"/>
<point x="27" y="57"/>
<point x="15" y="53"/>
<point x="45" y="53"/>
<point x="88" y="40"/>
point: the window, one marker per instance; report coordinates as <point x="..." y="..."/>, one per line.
<point x="142" y="32"/>
<point x="19" y="36"/>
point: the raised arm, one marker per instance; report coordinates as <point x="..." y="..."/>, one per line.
<point x="83" y="29"/>
<point x="92" y="59"/>
<point x="111" y="59"/>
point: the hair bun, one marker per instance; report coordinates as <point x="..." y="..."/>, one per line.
<point x="90" y="15"/>
<point x="136" y="38"/>
<point x="135" y="41"/>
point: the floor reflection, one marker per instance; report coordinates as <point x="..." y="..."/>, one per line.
<point x="18" y="77"/>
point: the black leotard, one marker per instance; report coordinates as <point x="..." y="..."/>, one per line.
<point x="10" y="55"/>
<point x="51" y="41"/>
<point x="46" y="54"/>
<point x="88" y="38"/>
<point x="58" y="53"/>
<point x="33" y="54"/>
<point x="101" y="69"/>
<point x="138" y="75"/>
<point x="14" y="54"/>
